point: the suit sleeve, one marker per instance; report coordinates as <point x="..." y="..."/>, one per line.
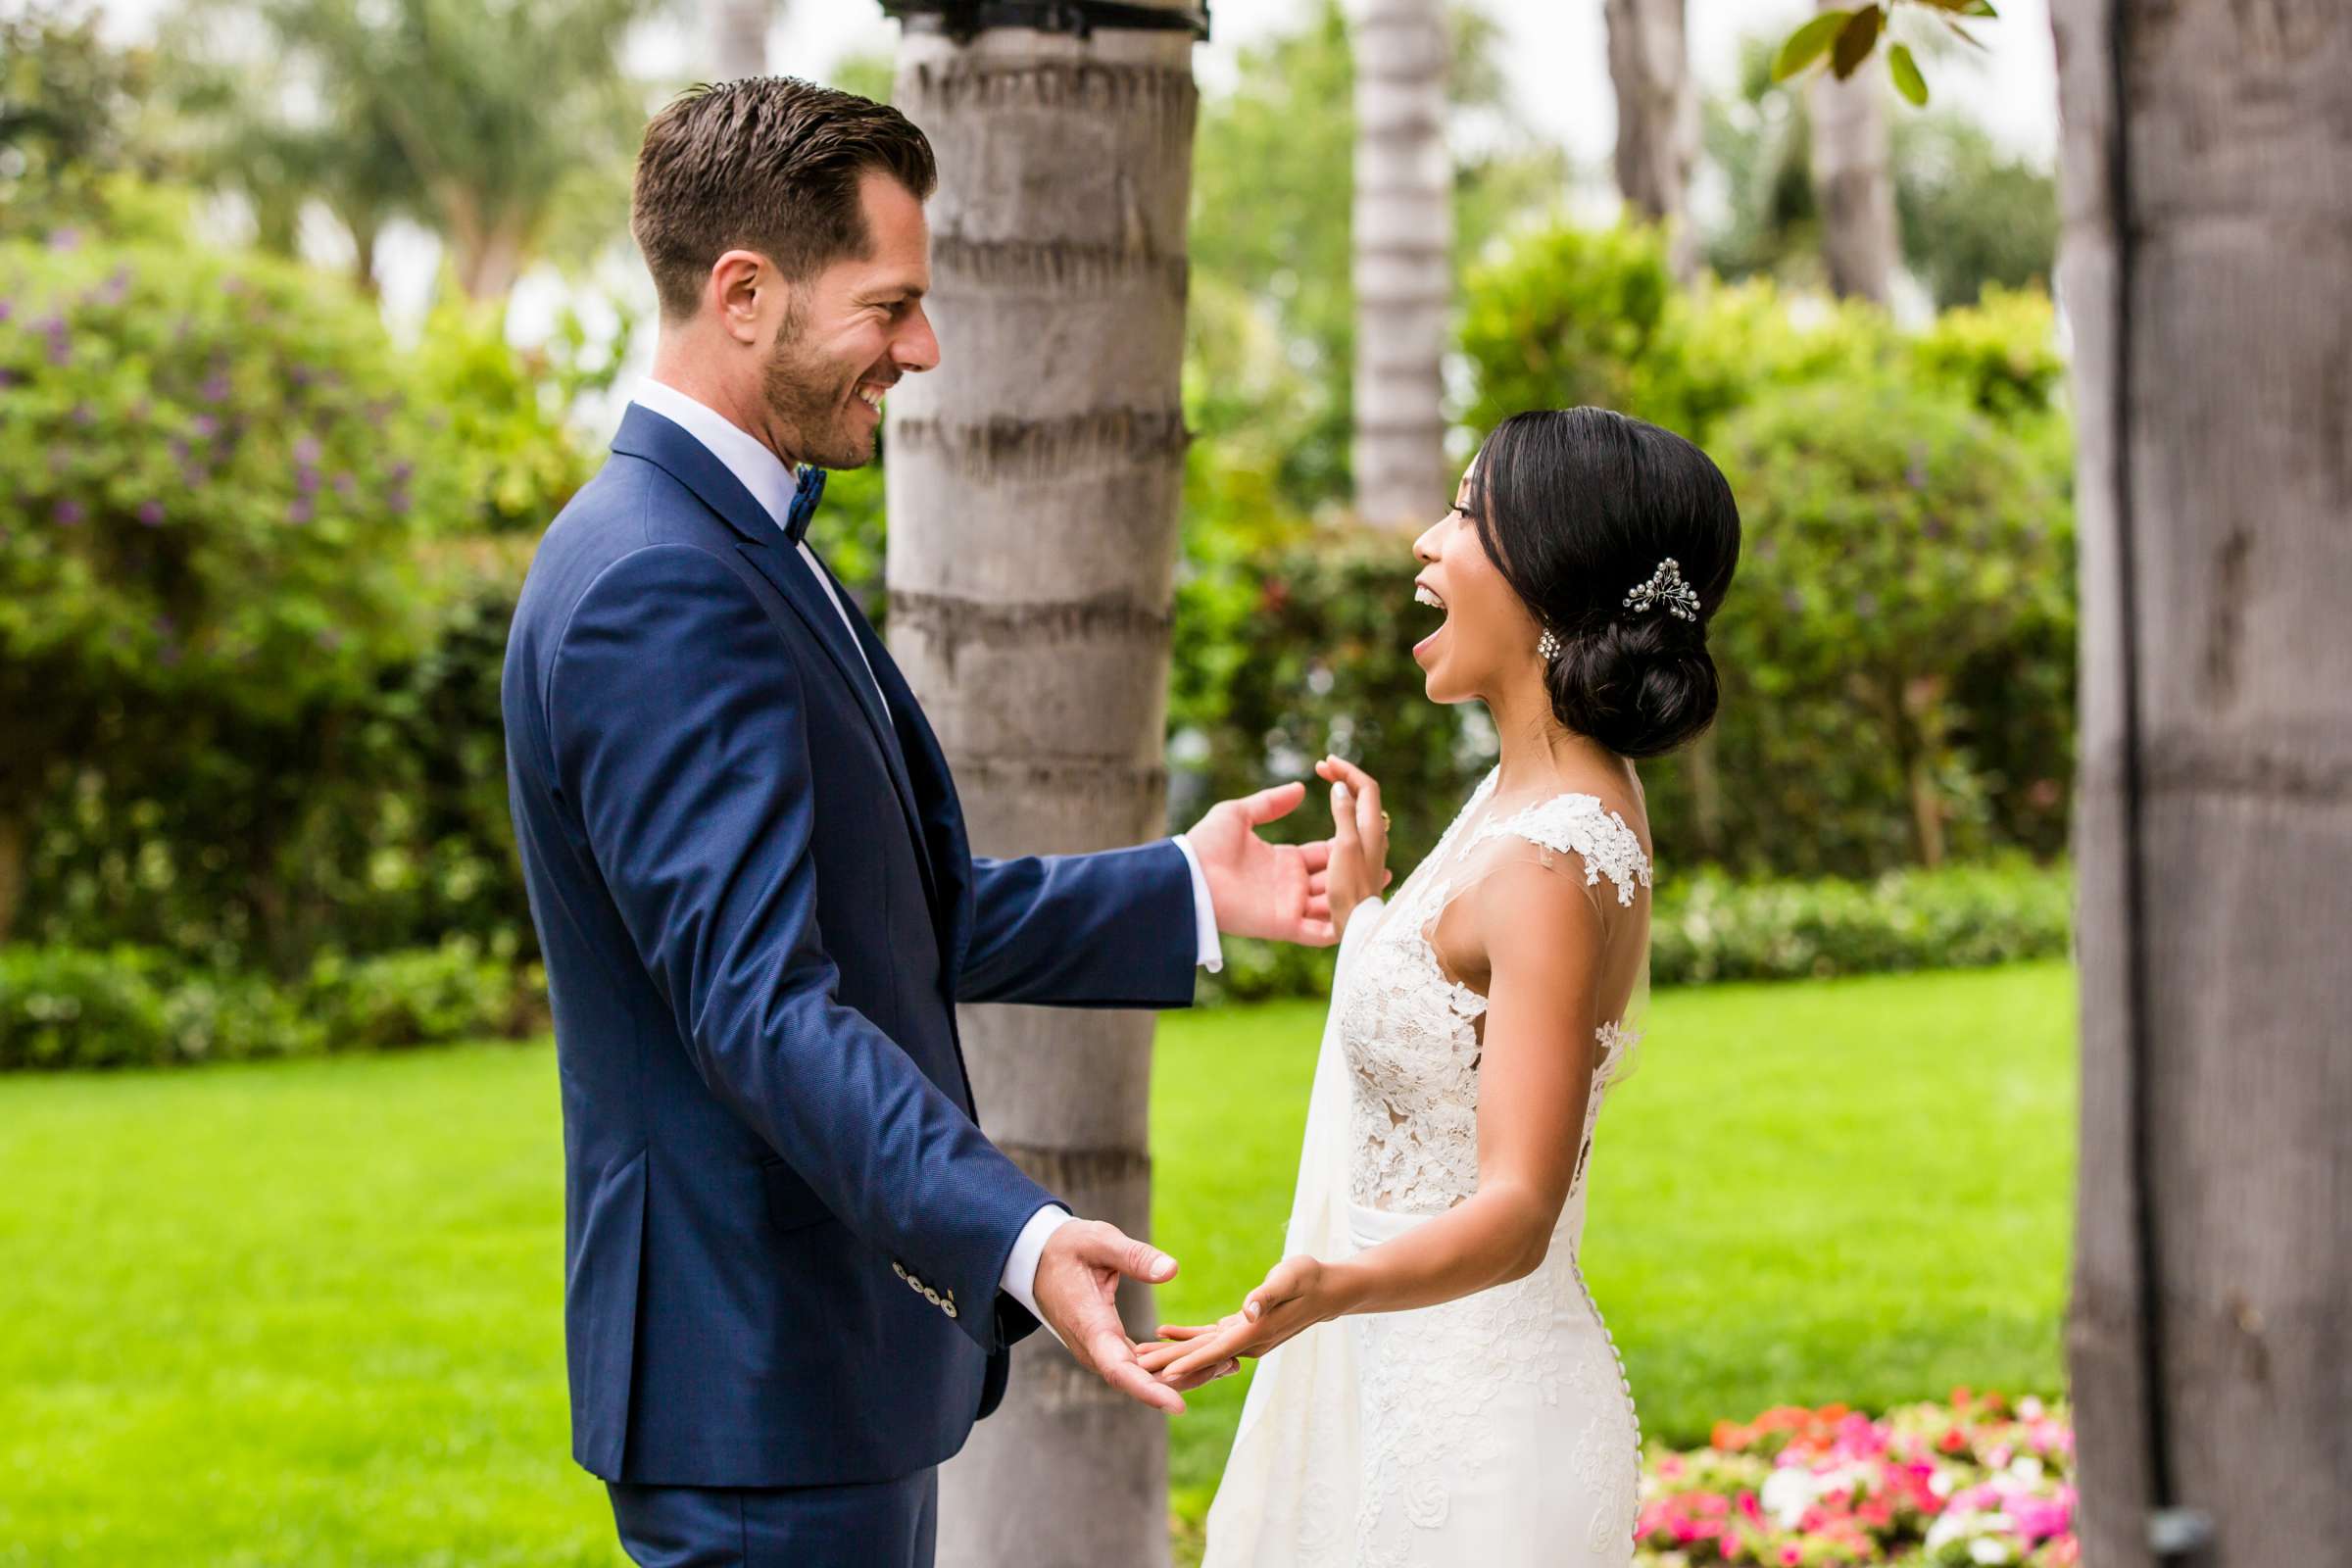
<point x="676" y="724"/>
<point x="1108" y="930"/>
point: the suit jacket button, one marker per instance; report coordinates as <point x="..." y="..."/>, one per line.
<point x="931" y="1295"/>
<point x="898" y="1268"/>
<point x="949" y="1310"/>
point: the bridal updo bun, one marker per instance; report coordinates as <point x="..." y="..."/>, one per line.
<point x="1579" y="508"/>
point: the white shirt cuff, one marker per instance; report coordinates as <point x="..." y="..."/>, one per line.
<point x="1020" y="1266"/>
<point x="1211" y="953"/>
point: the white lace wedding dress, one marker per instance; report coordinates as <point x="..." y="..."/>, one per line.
<point x="1496" y="1431"/>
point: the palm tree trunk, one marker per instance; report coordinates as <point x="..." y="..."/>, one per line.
<point x="1404" y="262"/>
<point x="1033" y="486"/>
<point x="2208" y="236"/>
<point x="1854" y="181"/>
<point x="737" y="30"/>
<point x="1657" y="119"/>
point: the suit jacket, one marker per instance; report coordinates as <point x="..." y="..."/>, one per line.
<point x="783" y="1230"/>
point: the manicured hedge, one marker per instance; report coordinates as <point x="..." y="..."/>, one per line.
<point x="143" y="1006"/>
<point x="1706" y="926"/>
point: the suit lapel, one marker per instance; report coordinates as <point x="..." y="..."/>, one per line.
<point x="934" y="788"/>
<point x="647" y="435"/>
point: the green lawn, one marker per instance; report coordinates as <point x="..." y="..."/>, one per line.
<point x="308" y="1314"/>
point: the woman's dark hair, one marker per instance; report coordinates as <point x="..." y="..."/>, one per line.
<point x="1580" y="506"/>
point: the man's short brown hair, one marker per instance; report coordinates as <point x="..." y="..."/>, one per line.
<point x="768" y="164"/>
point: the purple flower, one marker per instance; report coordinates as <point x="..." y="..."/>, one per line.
<point x="69" y="513"/>
<point x="346" y="486"/>
<point x="8" y="310"/>
<point x="64" y="239"/>
<point x="205" y="425"/>
<point x="401" y="472"/>
<point x="398" y="503"/>
<point x="215" y="388"/>
<point x="60" y="345"/>
<point x="82" y="415"/>
<point x="300" y="511"/>
<point x="179" y="450"/>
<point x="306" y="450"/>
<point x="8" y="378"/>
<point x="307" y="481"/>
<point x="151" y="513"/>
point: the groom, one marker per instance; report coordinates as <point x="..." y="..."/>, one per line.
<point x="794" y="1265"/>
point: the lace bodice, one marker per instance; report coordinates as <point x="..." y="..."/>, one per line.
<point x="1412" y="1033"/>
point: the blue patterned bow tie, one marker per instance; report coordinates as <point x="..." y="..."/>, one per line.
<point x="804" y="497"/>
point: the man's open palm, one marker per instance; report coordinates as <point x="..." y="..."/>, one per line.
<point x="1261" y="889"/>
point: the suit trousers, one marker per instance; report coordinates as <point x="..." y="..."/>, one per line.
<point x="886" y="1524"/>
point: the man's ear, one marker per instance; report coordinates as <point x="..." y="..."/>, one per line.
<point x="744" y="289"/>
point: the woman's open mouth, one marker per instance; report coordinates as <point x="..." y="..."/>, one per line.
<point x="1424" y="594"/>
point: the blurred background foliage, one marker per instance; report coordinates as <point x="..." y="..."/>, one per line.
<point x="259" y="552"/>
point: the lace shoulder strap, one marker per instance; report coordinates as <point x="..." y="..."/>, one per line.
<point x="1582" y="824"/>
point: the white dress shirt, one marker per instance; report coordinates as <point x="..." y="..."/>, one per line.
<point x="762" y="472"/>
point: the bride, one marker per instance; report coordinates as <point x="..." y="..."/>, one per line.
<point x="1470" y="1412"/>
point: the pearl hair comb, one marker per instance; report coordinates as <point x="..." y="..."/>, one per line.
<point x="1666" y="591"/>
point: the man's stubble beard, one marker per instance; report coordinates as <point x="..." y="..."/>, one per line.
<point x="813" y="413"/>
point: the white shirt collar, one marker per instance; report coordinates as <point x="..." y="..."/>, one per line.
<point x="747" y="458"/>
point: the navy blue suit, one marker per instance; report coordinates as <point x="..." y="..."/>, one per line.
<point x="783" y="1230"/>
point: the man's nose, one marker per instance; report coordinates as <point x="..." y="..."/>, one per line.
<point x="916" y="347"/>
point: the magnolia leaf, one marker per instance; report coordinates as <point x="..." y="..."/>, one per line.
<point x="1907" y="79"/>
<point x="1806" y="44"/>
<point x="1855" y="41"/>
<point x="1965" y="36"/>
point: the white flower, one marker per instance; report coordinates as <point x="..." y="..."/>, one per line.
<point x="1988" y="1549"/>
<point x="2026" y="1467"/>
<point x="1941" y="1483"/>
<point x="2030" y="1407"/>
<point x="1786" y="1494"/>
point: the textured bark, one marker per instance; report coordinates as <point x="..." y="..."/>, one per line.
<point x="1853" y="179"/>
<point x="738" y="33"/>
<point x="1033" y="489"/>
<point x="1657" y="118"/>
<point x="1403" y="242"/>
<point x="2207" y="183"/>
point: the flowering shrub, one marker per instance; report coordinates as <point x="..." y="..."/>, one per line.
<point x="1975" y="1483"/>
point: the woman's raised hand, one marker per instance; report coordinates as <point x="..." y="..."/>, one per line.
<point x="1360" y="838"/>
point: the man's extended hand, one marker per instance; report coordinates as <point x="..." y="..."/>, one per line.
<point x="1261" y="889"/>
<point x="1077" y="1293"/>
